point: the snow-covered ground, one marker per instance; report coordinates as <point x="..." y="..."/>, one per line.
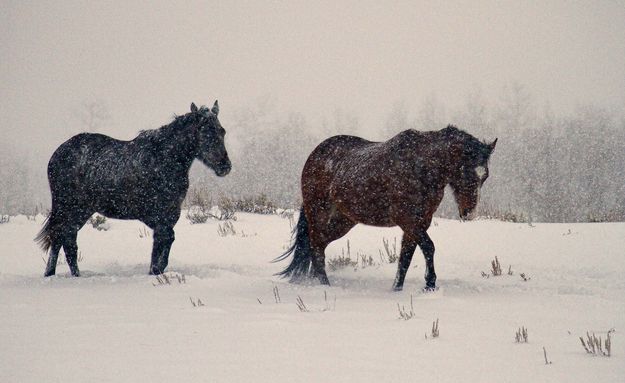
<point x="117" y="324"/>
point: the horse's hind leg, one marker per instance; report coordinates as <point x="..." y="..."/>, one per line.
<point x="326" y="228"/>
<point x="70" y="247"/>
<point x="52" y="259"/>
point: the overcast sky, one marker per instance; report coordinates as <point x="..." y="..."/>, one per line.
<point x="149" y="60"/>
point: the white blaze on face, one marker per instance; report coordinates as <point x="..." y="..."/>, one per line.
<point x="481" y="172"/>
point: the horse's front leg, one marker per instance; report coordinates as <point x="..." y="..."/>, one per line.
<point x="408" y="246"/>
<point x="163" y="239"/>
<point x="427" y="247"/>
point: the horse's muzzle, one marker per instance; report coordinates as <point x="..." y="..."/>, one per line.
<point x="223" y="169"/>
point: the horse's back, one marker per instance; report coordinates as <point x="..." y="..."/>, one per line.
<point x="79" y="151"/>
<point x="337" y="149"/>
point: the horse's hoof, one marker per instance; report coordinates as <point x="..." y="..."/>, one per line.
<point x="429" y="289"/>
<point x="398" y="288"/>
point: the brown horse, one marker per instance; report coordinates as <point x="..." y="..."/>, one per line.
<point x="400" y="182"/>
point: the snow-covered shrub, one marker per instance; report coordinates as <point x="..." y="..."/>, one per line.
<point x="256" y="205"/>
<point x="287" y="214"/>
<point x="505" y="215"/>
<point x="197" y="214"/>
<point x="224" y="211"/>
<point x="4" y="218"/>
<point x="343" y="260"/>
<point x="99" y="222"/>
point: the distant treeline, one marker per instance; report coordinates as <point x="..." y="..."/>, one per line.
<point x="546" y="168"/>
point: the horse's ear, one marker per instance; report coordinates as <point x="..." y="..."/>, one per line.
<point x="215" y="109"/>
<point x="492" y="146"/>
<point x="193" y="107"/>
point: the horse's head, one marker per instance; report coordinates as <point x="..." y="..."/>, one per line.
<point x="210" y="138"/>
<point x="467" y="178"/>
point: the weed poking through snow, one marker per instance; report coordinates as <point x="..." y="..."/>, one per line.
<point x="300" y="305"/>
<point x="164" y="279"/>
<point x="435" y="332"/>
<point x="596" y="346"/>
<point x="521" y="335"/>
<point x="390" y="253"/>
<point x="406" y="314"/>
<point x="225" y="229"/>
<point x="99" y="222"/>
<point x="197" y="303"/>
<point x="343" y="260"/>
<point x="276" y="294"/>
<point x="547" y="361"/>
<point x="144" y="233"/>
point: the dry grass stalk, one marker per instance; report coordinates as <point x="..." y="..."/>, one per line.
<point x="276" y="294"/>
<point x="406" y="315"/>
<point x="495" y="267"/>
<point x="165" y="279"/>
<point x="547" y="361"/>
<point x="225" y="229"/>
<point x="328" y="306"/>
<point x="435" y="332"/>
<point x="300" y="305"/>
<point x="521" y="335"/>
<point x="343" y="260"/>
<point x="197" y="303"/>
<point x="391" y="253"/>
<point x="596" y="346"/>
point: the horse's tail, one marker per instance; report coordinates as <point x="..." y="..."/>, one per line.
<point x="45" y="236"/>
<point x="301" y="263"/>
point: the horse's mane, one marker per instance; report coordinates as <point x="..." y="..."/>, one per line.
<point x="452" y="132"/>
<point x="177" y="122"/>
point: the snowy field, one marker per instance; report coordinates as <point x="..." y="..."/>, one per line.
<point x="117" y="324"/>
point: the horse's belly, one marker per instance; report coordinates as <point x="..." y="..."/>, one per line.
<point x="367" y="213"/>
<point x="375" y="219"/>
<point x="117" y="212"/>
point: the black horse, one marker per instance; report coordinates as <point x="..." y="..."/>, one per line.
<point x="348" y="180"/>
<point x="146" y="179"/>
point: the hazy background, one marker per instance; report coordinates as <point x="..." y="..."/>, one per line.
<point x="545" y="77"/>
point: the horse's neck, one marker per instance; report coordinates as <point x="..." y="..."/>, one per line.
<point x="174" y="148"/>
<point x="449" y="155"/>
